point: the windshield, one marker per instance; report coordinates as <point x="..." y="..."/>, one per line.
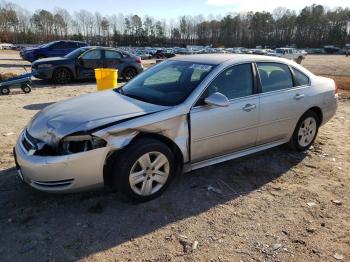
<point x="76" y="52"/>
<point x="168" y="83"/>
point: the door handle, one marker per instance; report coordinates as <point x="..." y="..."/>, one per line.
<point x="299" y="96"/>
<point x="249" y="107"/>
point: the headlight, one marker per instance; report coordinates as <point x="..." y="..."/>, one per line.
<point x="80" y="143"/>
<point x="44" y="66"/>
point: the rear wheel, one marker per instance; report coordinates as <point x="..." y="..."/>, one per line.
<point x="62" y="76"/>
<point x="26" y="88"/>
<point x="5" y="90"/>
<point x="305" y="132"/>
<point x="129" y="73"/>
<point x="143" y="170"/>
<point x="299" y="60"/>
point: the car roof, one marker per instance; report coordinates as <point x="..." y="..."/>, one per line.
<point x="216" y="59"/>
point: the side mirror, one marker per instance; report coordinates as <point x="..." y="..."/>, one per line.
<point x="217" y="99"/>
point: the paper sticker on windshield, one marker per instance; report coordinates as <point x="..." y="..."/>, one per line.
<point x="205" y="68"/>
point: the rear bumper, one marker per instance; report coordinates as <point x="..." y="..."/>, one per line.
<point x="330" y="110"/>
<point x="61" y="174"/>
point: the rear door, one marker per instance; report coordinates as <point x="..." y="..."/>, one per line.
<point x="282" y="102"/>
<point x="113" y="59"/>
<point x="217" y="131"/>
<point x="89" y="61"/>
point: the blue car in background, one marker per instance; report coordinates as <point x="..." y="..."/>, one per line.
<point x="52" y="49"/>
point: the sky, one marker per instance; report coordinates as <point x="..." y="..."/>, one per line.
<point x="173" y="8"/>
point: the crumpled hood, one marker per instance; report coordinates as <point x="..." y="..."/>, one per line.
<point x="84" y="113"/>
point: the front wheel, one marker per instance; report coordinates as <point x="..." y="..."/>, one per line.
<point x="143" y="170"/>
<point x="305" y="132"/>
<point x="62" y="76"/>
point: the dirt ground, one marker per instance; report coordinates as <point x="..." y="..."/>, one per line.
<point x="277" y="205"/>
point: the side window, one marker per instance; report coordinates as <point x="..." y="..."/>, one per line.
<point x="274" y="76"/>
<point x="71" y="45"/>
<point x="234" y="82"/>
<point x="59" y="45"/>
<point x="91" y="55"/>
<point x="301" y="78"/>
<point x="109" y="54"/>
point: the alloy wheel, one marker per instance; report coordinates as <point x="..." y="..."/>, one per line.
<point x="62" y="76"/>
<point x="149" y="173"/>
<point x="307" y="131"/>
<point x="129" y="74"/>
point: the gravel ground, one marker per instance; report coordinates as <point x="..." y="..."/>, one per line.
<point x="273" y="206"/>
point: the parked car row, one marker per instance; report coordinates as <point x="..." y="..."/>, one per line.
<point x="6" y="46"/>
<point x="52" y="49"/>
<point x="80" y="64"/>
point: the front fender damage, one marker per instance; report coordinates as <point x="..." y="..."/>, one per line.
<point x="176" y="129"/>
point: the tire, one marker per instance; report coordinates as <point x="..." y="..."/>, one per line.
<point x="26" y="88"/>
<point x="299" y="60"/>
<point x="5" y="91"/>
<point x="129" y="73"/>
<point x="305" y="132"/>
<point x="62" y="76"/>
<point x="145" y="185"/>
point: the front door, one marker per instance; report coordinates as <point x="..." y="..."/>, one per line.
<point x="220" y="130"/>
<point x="89" y="61"/>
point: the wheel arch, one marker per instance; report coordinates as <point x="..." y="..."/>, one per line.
<point x="318" y="112"/>
<point x="179" y="159"/>
<point x="128" y="67"/>
<point x="64" y="67"/>
<point x="39" y="55"/>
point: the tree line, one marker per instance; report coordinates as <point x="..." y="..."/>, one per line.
<point x="313" y="26"/>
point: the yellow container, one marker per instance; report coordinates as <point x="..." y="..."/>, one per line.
<point x="106" y="78"/>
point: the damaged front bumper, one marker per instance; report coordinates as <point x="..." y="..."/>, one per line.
<point x="63" y="173"/>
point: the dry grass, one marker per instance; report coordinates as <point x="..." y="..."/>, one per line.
<point x="6" y="76"/>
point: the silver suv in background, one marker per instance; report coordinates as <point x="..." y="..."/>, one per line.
<point x="290" y="53"/>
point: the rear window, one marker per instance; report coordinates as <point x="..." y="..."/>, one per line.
<point x="110" y="54"/>
<point x="274" y="76"/>
<point x="301" y="78"/>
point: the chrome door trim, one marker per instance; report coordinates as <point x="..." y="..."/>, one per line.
<point x="285" y="90"/>
<point x="233" y="100"/>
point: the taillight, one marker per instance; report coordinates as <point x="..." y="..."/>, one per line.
<point x="138" y="60"/>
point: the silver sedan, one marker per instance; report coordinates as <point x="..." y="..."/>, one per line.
<point x="182" y="114"/>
